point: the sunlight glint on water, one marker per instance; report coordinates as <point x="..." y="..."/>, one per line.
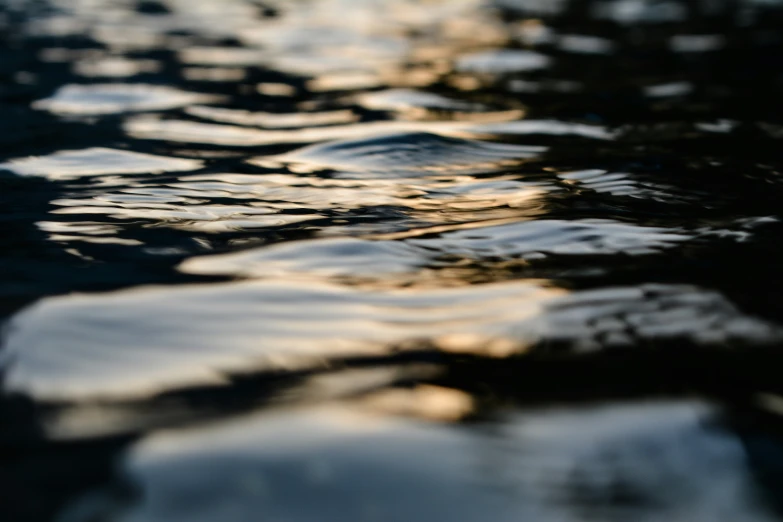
<point x="384" y="260"/>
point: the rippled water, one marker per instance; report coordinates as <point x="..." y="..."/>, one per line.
<point x="383" y="260"/>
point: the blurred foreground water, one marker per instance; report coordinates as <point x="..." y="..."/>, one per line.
<point x="385" y="260"/>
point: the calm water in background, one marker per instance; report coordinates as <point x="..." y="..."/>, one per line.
<point x="391" y="260"/>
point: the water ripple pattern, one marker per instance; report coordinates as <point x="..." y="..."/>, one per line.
<point x="384" y="260"/>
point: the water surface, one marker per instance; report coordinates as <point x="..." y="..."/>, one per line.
<point x="390" y="260"/>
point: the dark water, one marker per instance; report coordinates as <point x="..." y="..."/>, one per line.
<point x="367" y="260"/>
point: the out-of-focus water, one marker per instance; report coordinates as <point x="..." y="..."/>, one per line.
<point x="384" y="260"/>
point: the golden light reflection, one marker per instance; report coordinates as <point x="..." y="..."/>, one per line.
<point x="356" y="383"/>
<point x="114" y="67"/>
<point x="275" y="89"/>
<point x="83" y="347"/>
<point x="476" y="344"/>
<point x="271" y="120"/>
<point x="214" y="74"/>
<point x="344" y="81"/>
<point x="423" y="401"/>
<point x="268" y="201"/>
<point x="222" y="56"/>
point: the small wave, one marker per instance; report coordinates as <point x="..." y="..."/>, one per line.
<point x="409" y="152"/>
